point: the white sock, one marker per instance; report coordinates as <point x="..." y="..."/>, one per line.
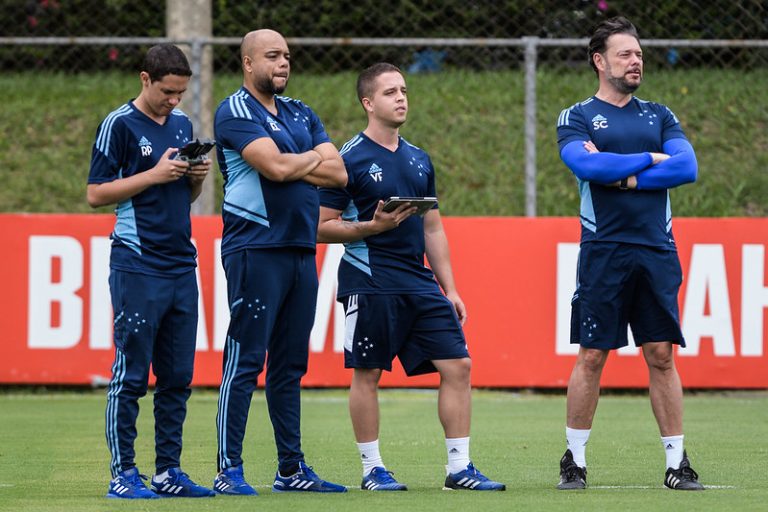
<point x="673" y="447"/>
<point x="370" y="456"/>
<point x="162" y="476"/>
<point x="577" y="443"/>
<point x="458" y="454"/>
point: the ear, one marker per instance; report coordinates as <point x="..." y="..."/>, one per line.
<point x="247" y="63"/>
<point x="145" y="79"/>
<point x="367" y="105"/>
<point x="599" y="61"/>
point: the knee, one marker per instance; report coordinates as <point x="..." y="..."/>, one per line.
<point x="366" y="378"/>
<point x="456" y="371"/>
<point x="592" y="361"/>
<point x="659" y="357"/>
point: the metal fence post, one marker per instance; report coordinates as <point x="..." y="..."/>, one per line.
<point x="530" y="125"/>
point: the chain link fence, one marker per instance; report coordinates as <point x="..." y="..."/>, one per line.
<point x="490" y="75"/>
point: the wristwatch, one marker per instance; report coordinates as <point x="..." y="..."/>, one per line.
<point x="623" y="184"/>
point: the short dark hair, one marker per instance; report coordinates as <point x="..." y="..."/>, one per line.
<point x="367" y="79"/>
<point x="165" y="59"/>
<point x="604" y="30"/>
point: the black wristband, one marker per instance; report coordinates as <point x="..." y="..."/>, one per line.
<point x="623" y="184"/>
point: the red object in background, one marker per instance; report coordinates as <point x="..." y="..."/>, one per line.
<point x="514" y="274"/>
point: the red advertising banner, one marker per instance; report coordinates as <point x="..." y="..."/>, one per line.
<point x="516" y="276"/>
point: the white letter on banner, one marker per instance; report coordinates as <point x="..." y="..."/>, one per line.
<point x="220" y="300"/>
<point x="201" y="343"/>
<point x="707" y="279"/>
<point x="100" y="301"/>
<point x="43" y="292"/>
<point x="326" y="303"/>
<point x="754" y="299"/>
<point x="567" y="261"/>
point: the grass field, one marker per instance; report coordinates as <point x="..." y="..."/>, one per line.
<point x="53" y="455"/>
<point x="471" y="123"/>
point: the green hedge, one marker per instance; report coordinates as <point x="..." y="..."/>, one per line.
<point x="679" y="19"/>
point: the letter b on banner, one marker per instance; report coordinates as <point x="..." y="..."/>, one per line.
<point x="48" y="291"/>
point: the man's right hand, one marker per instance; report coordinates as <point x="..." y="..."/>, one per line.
<point x="384" y="221"/>
<point x="659" y="157"/>
<point x="167" y="169"/>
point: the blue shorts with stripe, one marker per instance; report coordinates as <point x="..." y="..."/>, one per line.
<point x="416" y="328"/>
<point x="625" y="284"/>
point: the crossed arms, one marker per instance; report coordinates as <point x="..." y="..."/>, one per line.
<point x="675" y="166"/>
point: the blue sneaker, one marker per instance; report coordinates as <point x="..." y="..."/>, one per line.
<point x="473" y="480"/>
<point x="231" y="481"/>
<point x="379" y="479"/>
<point x="304" y="480"/>
<point x="178" y="485"/>
<point x="128" y="485"/>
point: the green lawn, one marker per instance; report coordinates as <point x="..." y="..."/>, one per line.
<point x="53" y="454"/>
<point x="470" y="122"/>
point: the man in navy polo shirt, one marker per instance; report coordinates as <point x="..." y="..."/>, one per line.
<point x="274" y="153"/>
<point x="152" y="270"/>
<point x="626" y="154"/>
<point x="393" y="304"/>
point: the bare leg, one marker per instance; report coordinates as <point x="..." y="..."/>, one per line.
<point x="665" y="388"/>
<point x="584" y="388"/>
<point x="454" y="403"/>
<point x="364" y="404"/>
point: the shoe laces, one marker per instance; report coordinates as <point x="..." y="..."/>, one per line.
<point x="383" y="476"/>
<point x="573" y="472"/>
<point x="687" y="472"/>
<point x="183" y="479"/>
<point x="236" y="477"/>
<point x="472" y="470"/>
<point x="136" y="479"/>
<point x="308" y="472"/>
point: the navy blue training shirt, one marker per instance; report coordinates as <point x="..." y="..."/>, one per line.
<point x="257" y="212"/>
<point x="153" y="229"/>
<point x="608" y="213"/>
<point x="391" y="262"/>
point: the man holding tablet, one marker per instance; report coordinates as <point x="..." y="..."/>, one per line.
<point x="394" y="305"/>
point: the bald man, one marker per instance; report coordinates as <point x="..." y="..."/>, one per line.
<point x="273" y="152"/>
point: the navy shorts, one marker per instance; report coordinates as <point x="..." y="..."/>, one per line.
<point x="416" y="328"/>
<point x="625" y="284"/>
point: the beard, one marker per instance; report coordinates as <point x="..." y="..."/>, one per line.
<point x="623" y="85"/>
<point x="265" y="85"/>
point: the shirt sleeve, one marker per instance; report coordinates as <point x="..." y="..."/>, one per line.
<point x="672" y="128"/>
<point x="316" y="129"/>
<point x="338" y="198"/>
<point x="237" y="132"/>
<point x="431" y="187"/>
<point x="107" y="153"/>
<point x="571" y="126"/>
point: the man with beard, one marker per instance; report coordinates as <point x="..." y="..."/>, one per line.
<point x="273" y="152"/>
<point x="626" y="153"/>
<point x="393" y="304"/>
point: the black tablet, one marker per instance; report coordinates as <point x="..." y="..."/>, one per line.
<point x="423" y="204"/>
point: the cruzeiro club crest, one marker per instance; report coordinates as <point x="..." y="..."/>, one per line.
<point x="376" y="172"/>
<point x="145" y="146"/>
